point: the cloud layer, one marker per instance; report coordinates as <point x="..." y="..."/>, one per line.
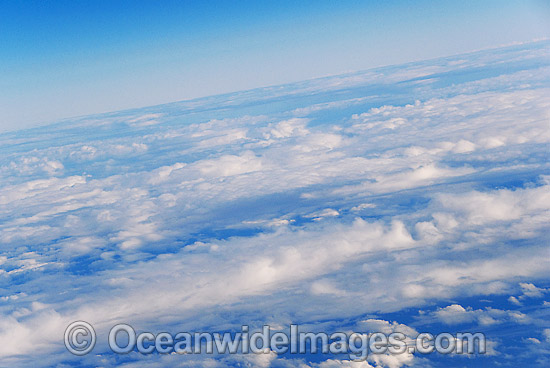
<point x="417" y="193"/>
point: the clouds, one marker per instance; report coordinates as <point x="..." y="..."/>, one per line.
<point x="317" y="203"/>
<point x="230" y="165"/>
<point x="457" y="314"/>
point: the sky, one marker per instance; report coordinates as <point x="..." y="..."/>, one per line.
<point x="411" y="195"/>
<point x="60" y="59"/>
<point x="412" y="198"/>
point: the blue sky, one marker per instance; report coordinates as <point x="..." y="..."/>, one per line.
<point x="67" y="58"/>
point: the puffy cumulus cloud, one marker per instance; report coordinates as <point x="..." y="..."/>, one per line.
<point x="255" y="360"/>
<point x="163" y="173"/>
<point x="320" y="141"/>
<point x="288" y="128"/>
<point x="19" y="339"/>
<point x="478" y="208"/>
<point x="230" y="165"/>
<point x="287" y="258"/>
<point x="327" y="212"/>
<point x="528" y="290"/>
<point x="457" y="314"/>
<point x="534" y="340"/>
<point x="363" y="206"/>
<point x="387" y="327"/>
<point x="243" y="276"/>
<point x="531" y="291"/>
<point x="341" y="202"/>
<point x="392" y="360"/>
<point x="33" y="165"/>
<point x="387" y="359"/>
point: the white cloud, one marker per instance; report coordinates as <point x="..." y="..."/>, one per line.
<point x="289" y="128"/>
<point x="531" y="291"/>
<point x="230" y="165"/>
<point x="457" y="314"/>
<point x="322" y="210"/>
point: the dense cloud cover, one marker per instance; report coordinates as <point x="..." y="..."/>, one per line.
<point x="412" y="196"/>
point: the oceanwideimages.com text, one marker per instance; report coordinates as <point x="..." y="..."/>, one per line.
<point x="80" y="339"/>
